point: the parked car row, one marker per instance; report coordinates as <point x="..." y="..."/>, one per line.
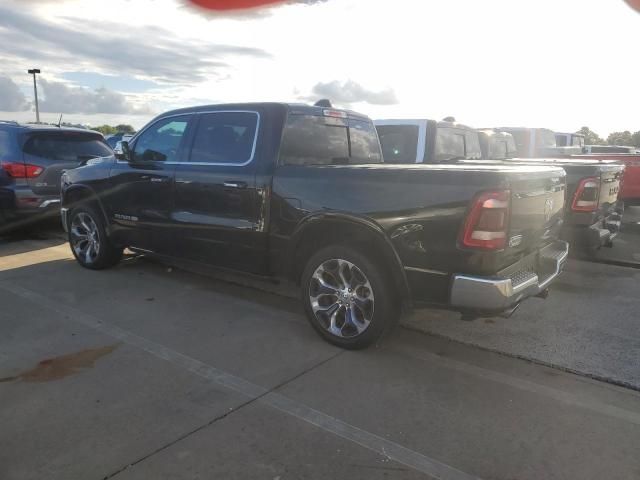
<point x="592" y="213"/>
<point x="368" y="220"/>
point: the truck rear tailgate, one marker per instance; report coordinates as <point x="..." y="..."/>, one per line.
<point x="537" y="212"/>
<point x="630" y="185"/>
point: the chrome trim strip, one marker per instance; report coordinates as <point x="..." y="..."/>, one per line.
<point x="425" y="270"/>
<point x="253" y="149"/>
<point x="540" y="193"/>
<point x="46" y="203"/>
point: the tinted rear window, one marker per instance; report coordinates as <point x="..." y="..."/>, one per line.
<point x="501" y="147"/>
<point x="521" y="138"/>
<point x="449" y="145"/>
<point x="314" y="140"/>
<point x="5" y="143"/>
<point x="561" y="140"/>
<point x="399" y="143"/>
<point x="577" y="141"/>
<point x="66" y="146"/>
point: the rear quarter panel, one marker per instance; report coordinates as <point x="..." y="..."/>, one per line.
<point x="421" y="209"/>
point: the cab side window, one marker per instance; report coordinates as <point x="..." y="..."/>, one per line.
<point x="225" y="138"/>
<point x="161" y="141"/>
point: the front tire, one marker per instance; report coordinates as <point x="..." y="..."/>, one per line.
<point x="88" y="239"/>
<point x="348" y="298"/>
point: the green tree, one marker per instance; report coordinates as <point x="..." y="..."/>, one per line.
<point x="635" y="139"/>
<point x="590" y="137"/>
<point x="124" y="128"/>
<point x="106" y="129"/>
<point x="620" y="138"/>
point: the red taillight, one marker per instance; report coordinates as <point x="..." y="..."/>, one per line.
<point x="587" y="195"/>
<point x="487" y="223"/>
<point x="21" y="170"/>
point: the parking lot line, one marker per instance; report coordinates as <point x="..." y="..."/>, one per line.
<point x="375" y="443"/>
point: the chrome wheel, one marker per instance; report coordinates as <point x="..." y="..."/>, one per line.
<point x="85" y="239"/>
<point x="341" y="298"/>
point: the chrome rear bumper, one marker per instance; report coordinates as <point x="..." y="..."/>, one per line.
<point x="495" y="294"/>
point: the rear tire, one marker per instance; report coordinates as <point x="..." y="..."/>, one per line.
<point x="88" y="239"/>
<point x="348" y="298"/>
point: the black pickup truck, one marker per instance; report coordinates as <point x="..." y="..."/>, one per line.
<point x="592" y="217"/>
<point x="299" y="192"/>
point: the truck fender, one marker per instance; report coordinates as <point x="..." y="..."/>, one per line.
<point x="83" y="193"/>
<point x="367" y="228"/>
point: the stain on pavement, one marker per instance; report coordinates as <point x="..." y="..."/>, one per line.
<point x="61" y="367"/>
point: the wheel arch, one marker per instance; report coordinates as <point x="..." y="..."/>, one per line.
<point x="315" y="232"/>
<point x="75" y="195"/>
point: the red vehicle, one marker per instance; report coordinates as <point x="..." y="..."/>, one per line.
<point x="630" y="185"/>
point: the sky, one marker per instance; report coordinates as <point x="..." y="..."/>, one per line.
<point x="559" y="64"/>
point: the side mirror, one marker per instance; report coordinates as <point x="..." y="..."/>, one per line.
<point x="122" y="151"/>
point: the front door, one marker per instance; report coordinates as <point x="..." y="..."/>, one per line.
<point x="142" y="189"/>
<point x="217" y="206"/>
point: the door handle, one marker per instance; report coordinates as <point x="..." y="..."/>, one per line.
<point x="235" y="184"/>
<point x="159" y="180"/>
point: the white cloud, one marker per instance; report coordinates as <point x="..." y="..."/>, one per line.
<point x="545" y="63"/>
<point x="11" y="98"/>
<point x="350" y="92"/>
<point x="58" y="97"/>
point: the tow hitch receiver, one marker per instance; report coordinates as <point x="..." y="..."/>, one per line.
<point x="543" y="294"/>
<point x="511" y="311"/>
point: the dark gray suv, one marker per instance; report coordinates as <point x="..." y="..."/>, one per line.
<point x="32" y="159"/>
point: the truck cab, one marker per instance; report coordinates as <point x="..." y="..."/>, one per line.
<point x="564" y="139"/>
<point x="427" y="141"/>
<point x="539" y="143"/>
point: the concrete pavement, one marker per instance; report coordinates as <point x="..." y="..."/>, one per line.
<point x="204" y="379"/>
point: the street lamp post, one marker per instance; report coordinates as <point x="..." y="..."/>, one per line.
<point x="33" y="72"/>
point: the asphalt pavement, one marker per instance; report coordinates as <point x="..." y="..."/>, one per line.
<point x="144" y="371"/>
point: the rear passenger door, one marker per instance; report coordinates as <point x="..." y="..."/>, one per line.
<point x="216" y="203"/>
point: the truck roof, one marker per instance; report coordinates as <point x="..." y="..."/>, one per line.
<point x="571" y="133"/>
<point x="524" y="128"/>
<point x="294" y="108"/>
<point x="467" y="167"/>
<point x="417" y="121"/>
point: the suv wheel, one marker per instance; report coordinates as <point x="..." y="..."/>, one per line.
<point x="347" y="297"/>
<point x="89" y="242"/>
